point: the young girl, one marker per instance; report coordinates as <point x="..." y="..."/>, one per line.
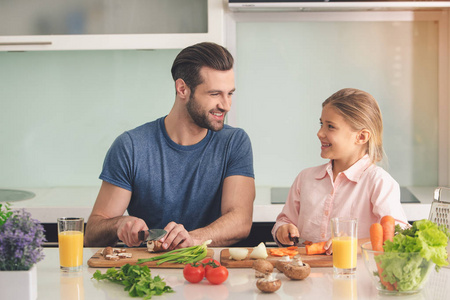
<point x="350" y="184"/>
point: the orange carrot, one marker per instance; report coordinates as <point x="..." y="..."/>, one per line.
<point x="376" y="236"/>
<point x="388" y="224"/>
<point x="316" y="248"/>
<point x="377" y="239"/>
<point x="290" y="251"/>
<point x="307" y="242"/>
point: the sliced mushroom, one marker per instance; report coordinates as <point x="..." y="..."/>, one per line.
<point x="268" y="284"/>
<point x="107" y="251"/>
<point x="262" y="267"/>
<point x="297" y="270"/>
<point x="125" y="255"/>
<point x="155" y="246"/>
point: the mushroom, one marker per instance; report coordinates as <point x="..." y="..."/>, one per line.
<point x="283" y="262"/>
<point x="108" y="253"/>
<point x="154" y="246"/>
<point x="268" y="284"/>
<point x="296" y="269"/>
<point x="262" y="267"/>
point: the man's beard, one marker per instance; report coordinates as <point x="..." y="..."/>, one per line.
<point x="199" y="118"/>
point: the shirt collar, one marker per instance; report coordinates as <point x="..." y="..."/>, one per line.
<point x="353" y="173"/>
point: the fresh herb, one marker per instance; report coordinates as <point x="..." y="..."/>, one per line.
<point x="137" y="280"/>
<point x="21" y="240"/>
<point x="406" y="260"/>
<point x="183" y="255"/>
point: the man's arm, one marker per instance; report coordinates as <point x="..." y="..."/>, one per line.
<point x="106" y="224"/>
<point x="237" y="211"/>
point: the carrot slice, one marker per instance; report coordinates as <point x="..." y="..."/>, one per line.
<point x="283" y="252"/>
<point x="315" y="248"/>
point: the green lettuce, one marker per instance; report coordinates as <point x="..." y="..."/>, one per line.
<point x="407" y="259"/>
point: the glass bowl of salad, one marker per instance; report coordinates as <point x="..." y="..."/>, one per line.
<point x="397" y="273"/>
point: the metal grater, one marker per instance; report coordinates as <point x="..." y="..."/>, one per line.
<point x="440" y="211"/>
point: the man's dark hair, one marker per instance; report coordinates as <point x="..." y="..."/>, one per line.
<point x="190" y="60"/>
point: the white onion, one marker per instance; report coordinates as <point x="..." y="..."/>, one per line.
<point x="259" y="251"/>
<point x="238" y="253"/>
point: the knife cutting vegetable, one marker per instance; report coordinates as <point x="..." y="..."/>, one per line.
<point x="153" y="234"/>
<point x="183" y="255"/>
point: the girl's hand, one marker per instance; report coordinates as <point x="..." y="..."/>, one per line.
<point x="328" y="247"/>
<point x="283" y="233"/>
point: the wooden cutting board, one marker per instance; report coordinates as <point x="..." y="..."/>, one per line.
<point x="315" y="261"/>
<point x="98" y="261"/>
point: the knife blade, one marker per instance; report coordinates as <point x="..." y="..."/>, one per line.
<point x="153" y="234"/>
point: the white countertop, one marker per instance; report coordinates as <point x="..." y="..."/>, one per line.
<point x="51" y="203"/>
<point x="241" y="284"/>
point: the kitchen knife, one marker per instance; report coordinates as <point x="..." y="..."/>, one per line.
<point x="297" y="241"/>
<point x="153" y="234"/>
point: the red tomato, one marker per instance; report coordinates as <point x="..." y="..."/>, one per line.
<point x="208" y="260"/>
<point x="194" y="272"/>
<point x="217" y="275"/>
<point x="209" y="263"/>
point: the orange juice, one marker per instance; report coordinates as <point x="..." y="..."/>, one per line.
<point x="344" y="252"/>
<point x="70" y="248"/>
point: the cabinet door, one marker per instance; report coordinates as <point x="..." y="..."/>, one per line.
<point x="108" y="24"/>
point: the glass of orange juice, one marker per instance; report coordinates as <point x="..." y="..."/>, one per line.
<point x="70" y="241"/>
<point x="345" y="244"/>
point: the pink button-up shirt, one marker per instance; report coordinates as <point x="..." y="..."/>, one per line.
<point x="363" y="191"/>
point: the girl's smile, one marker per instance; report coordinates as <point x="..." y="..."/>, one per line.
<point x="339" y="141"/>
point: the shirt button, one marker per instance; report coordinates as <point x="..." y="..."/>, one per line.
<point x="323" y="235"/>
<point x="326" y="213"/>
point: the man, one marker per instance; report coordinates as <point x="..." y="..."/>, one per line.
<point x="186" y="172"/>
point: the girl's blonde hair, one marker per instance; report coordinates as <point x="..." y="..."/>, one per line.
<point x="361" y="111"/>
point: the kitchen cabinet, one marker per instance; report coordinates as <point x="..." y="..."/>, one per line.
<point x="27" y="25"/>
<point x="333" y="5"/>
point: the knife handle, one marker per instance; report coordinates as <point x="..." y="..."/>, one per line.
<point x="294" y="239"/>
<point x="141" y="235"/>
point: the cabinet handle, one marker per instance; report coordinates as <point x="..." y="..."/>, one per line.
<point x="24" y="43"/>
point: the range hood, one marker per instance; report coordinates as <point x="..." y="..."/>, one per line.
<point x="333" y="5"/>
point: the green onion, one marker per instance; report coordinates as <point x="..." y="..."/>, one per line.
<point x="182" y="256"/>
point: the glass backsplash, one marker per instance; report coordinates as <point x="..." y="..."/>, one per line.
<point x="286" y="70"/>
<point x="61" y="110"/>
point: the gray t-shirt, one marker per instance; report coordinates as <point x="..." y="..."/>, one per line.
<point x="170" y="182"/>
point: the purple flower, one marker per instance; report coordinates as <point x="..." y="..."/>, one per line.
<point x="21" y="239"/>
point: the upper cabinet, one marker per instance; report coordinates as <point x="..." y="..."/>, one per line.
<point x="27" y="25"/>
<point x="334" y="5"/>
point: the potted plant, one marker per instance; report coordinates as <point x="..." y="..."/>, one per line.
<point x="21" y="239"/>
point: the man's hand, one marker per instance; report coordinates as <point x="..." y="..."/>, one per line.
<point x="285" y="231"/>
<point x="177" y="237"/>
<point x="128" y="229"/>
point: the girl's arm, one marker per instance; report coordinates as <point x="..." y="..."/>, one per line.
<point x="386" y="198"/>
<point x="288" y="218"/>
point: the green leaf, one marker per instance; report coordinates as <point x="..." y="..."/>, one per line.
<point x="137" y="280"/>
